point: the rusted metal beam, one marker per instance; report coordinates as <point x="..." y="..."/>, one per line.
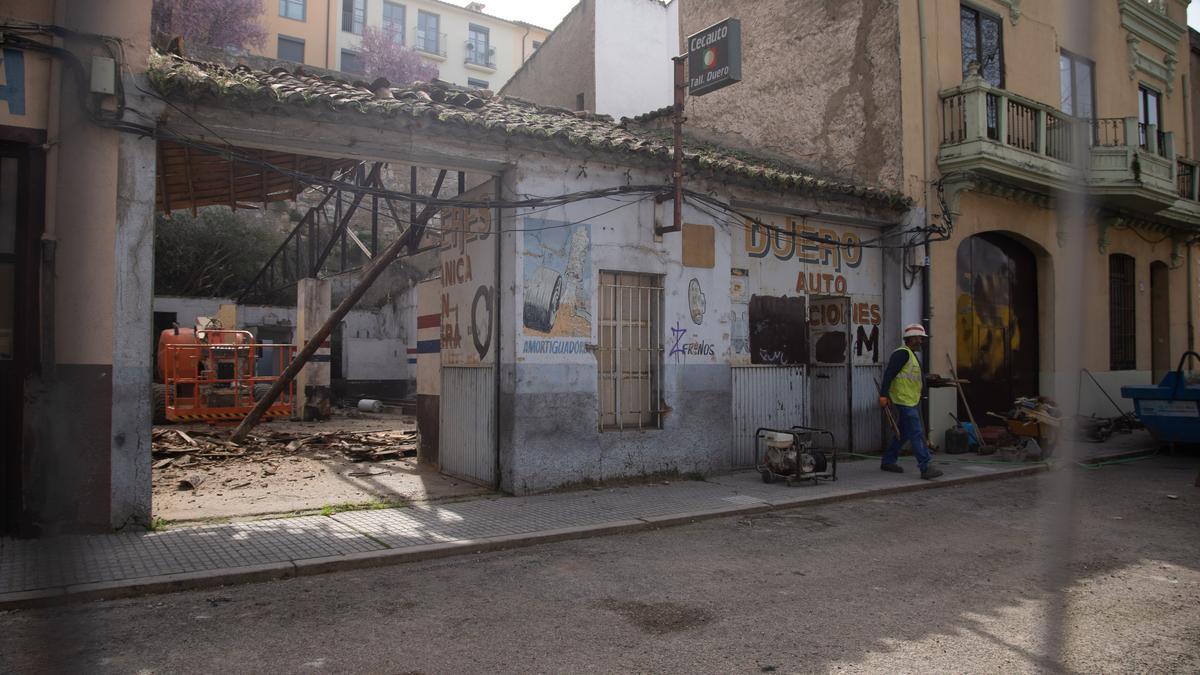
<point x="412" y="235"/>
<point x="283" y="246"/>
<point x="344" y="221"/>
<point x="677" y="133"/>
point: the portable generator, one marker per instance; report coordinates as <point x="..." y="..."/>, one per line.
<point x="790" y="455"/>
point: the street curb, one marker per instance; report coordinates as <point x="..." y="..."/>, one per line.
<point x="112" y="590"/>
<point x="164" y="583"/>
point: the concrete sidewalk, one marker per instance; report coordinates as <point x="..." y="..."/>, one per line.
<point x="114" y="565"/>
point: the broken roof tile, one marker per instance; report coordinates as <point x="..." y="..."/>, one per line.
<point x="442" y="103"/>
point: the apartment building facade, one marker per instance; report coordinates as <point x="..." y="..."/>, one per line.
<point x="469" y="47"/>
<point x="1050" y="144"/>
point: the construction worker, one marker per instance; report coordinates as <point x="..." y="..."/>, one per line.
<point x="902" y="387"/>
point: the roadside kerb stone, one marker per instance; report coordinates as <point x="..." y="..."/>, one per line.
<point x="748" y="505"/>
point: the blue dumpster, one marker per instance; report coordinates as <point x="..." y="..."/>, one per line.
<point x="1170" y="410"/>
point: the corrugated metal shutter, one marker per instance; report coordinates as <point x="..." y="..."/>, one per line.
<point x="867" y="416"/>
<point x="765" y="396"/>
<point x="467" y="433"/>
<point x="830" y="390"/>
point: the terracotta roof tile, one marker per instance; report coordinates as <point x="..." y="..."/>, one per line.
<point x="179" y="78"/>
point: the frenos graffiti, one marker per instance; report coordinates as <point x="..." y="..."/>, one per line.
<point x="557" y="289"/>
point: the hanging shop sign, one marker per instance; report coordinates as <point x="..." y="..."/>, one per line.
<point x="715" y="57"/>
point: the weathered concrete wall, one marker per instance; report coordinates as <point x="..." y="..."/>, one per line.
<point x="821" y="84"/>
<point x="564" y="66"/>
<point x="549" y="422"/>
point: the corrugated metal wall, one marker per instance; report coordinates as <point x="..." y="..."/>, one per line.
<point x="867" y="417"/>
<point x="467" y="428"/>
<point x="830" y="391"/>
<point x="765" y="396"/>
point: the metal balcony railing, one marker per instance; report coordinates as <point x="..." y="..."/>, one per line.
<point x="431" y="42"/>
<point x="480" y="54"/>
<point x="1186" y="175"/>
<point x="977" y="111"/>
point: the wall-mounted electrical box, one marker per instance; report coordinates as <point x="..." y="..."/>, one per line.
<point x="104" y="75"/>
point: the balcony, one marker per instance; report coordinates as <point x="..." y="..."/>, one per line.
<point x="994" y="133"/>
<point x="998" y="134"/>
<point x="480" y="56"/>
<point x="430" y="42"/>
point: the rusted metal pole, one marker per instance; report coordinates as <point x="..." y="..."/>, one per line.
<point x="410" y="237"/>
<point x="677" y="124"/>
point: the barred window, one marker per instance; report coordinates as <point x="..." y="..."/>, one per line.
<point x="1122" y="315"/>
<point x="630" y="353"/>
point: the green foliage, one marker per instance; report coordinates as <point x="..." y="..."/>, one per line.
<point x="214" y="254"/>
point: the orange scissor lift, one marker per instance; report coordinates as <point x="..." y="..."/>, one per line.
<point x="210" y="375"/>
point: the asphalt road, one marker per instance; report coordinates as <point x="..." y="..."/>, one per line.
<point x="958" y="579"/>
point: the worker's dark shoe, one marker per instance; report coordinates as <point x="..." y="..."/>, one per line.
<point x="893" y="468"/>
<point x="931" y="472"/>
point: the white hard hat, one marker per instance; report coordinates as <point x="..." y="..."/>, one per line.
<point x="914" y="330"/>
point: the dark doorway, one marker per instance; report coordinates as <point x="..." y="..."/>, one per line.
<point x="997" y="323"/>
<point x="1160" y="320"/>
<point x="22" y="178"/>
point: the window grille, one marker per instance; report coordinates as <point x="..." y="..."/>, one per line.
<point x="630" y="351"/>
<point x="354" y="16"/>
<point x="393" y="21"/>
<point x="1122" y="315"/>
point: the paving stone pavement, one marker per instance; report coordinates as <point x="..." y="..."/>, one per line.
<point x="64" y="563"/>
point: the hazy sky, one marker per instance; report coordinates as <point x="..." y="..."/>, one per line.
<point x="1193" y="15"/>
<point x="545" y="13"/>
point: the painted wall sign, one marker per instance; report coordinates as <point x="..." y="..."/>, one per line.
<point x="13" y="89"/>
<point x="468" y="299"/>
<point x="715" y="57"/>
<point x="556" y="313"/>
<point x="806" y="257"/>
<point x="866" y="319"/>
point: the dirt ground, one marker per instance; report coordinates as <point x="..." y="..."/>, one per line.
<point x="270" y="478"/>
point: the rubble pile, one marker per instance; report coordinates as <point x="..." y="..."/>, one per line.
<point x="178" y="448"/>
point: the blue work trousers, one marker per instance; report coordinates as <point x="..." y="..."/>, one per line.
<point x="909" y="421"/>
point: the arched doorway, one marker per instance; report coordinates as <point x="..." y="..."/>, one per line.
<point x="997" y="323"/>
<point x="1160" y="320"/>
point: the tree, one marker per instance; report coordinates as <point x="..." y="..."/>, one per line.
<point x="217" y="23"/>
<point x="384" y="56"/>
<point x="213" y="254"/>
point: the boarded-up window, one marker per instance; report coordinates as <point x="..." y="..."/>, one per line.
<point x="630" y="353"/>
<point x="1122" y="317"/>
<point x="778" y="331"/>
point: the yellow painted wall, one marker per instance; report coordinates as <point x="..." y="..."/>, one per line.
<point x="324" y="38"/>
<point x="313" y="30"/>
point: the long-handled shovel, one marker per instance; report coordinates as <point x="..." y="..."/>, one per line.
<point x="962" y="395"/>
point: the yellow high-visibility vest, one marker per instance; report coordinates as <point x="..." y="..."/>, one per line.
<point x="906" y="387"/>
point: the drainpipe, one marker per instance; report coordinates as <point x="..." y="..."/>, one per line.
<point x="1191" y="309"/>
<point x="524" y="41"/>
<point x="50" y="220"/>
<point x="926" y="301"/>
<point x="330" y="28"/>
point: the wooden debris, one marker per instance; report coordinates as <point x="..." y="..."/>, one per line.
<point x="177" y="448"/>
